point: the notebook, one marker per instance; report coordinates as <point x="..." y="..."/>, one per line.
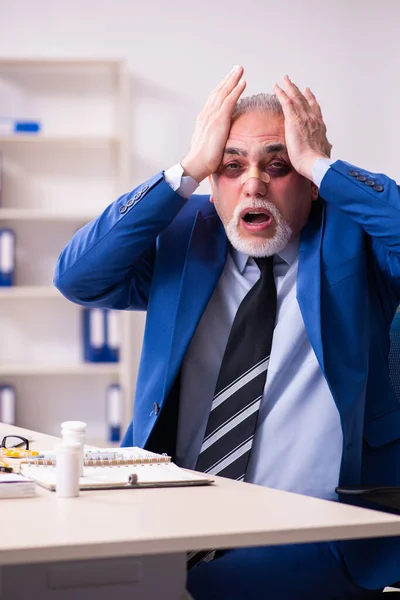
<point x="16" y="486"/>
<point x="128" y="468"/>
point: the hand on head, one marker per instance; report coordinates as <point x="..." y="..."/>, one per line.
<point x="212" y="127"/>
<point x="305" y="130"/>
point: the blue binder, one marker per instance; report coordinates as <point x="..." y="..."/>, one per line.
<point x="7" y="404"/>
<point x="7" y="257"/>
<point x="113" y="334"/>
<point x="100" y="343"/>
<point x="1" y="177"/>
<point x="114" y="412"/>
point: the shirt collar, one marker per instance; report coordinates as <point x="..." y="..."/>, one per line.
<point x="288" y="255"/>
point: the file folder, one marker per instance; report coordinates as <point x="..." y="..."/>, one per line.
<point x="7" y="404"/>
<point x="99" y="331"/>
<point x="7" y="257"/>
<point x="1" y="177"/>
<point x="113" y="334"/>
<point x="114" y="412"/>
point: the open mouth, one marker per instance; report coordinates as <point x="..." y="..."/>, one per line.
<point x="256" y="219"/>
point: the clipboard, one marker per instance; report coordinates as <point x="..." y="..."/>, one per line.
<point x="128" y="476"/>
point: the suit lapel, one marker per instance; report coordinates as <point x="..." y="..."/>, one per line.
<point x="203" y="265"/>
<point x="204" y="262"/>
<point x="309" y="278"/>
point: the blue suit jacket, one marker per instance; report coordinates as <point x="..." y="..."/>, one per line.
<point x="152" y="250"/>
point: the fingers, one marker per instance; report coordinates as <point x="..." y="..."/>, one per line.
<point x="233" y="75"/>
<point x="293" y="92"/>
<point x="296" y="102"/>
<point x="234" y="95"/>
<point x="288" y="107"/>
<point x="312" y="101"/>
<point x="226" y="86"/>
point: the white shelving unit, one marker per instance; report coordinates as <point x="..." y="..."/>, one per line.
<point x="27" y="214"/>
<point x="53" y="183"/>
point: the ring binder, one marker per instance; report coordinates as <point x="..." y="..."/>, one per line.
<point x="7" y="404"/>
<point x="7" y="257"/>
<point x="128" y="456"/>
<point x="100" y="332"/>
<point x="114" y="411"/>
<point x="135" y="468"/>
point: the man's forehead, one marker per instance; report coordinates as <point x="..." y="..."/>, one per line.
<point x="257" y="128"/>
<point x="256" y="137"/>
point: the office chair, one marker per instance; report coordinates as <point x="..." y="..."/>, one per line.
<point x="394" y="369"/>
<point x="383" y="496"/>
<point x="394" y="355"/>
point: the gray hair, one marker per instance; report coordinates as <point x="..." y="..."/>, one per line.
<point x="267" y="103"/>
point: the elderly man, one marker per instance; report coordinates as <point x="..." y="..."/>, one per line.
<point x="268" y="306"/>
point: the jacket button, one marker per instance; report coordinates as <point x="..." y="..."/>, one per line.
<point x="156" y="408"/>
<point x="362" y="178"/>
<point x="353" y="173"/>
<point x="129" y="203"/>
<point x="137" y="196"/>
<point x="378" y="188"/>
<point x="370" y="182"/>
<point x="123" y="209"/>
<point x="144" y="189"/>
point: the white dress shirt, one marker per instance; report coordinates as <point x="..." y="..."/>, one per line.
<point x="298" y="441"/>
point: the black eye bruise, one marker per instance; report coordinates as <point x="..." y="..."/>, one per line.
<point x="234" y="169"/>
<point x="280" y="171"/>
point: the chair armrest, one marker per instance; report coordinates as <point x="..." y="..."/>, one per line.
<point x="388" y="496"/>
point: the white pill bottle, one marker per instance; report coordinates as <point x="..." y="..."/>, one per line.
<point x="75" y="431"/>
<point x="68" y="460"/>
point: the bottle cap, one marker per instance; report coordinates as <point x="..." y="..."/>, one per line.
<point x="74" y="426"/>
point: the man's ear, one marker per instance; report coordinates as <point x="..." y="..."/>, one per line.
<point x="314" y="192"/>
<point x="210" y="180"/>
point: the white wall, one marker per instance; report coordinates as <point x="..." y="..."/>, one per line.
<point x="347" y="51"/>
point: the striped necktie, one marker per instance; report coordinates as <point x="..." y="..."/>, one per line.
<point x="231" y="425"/>
<point x="229" y="434"/>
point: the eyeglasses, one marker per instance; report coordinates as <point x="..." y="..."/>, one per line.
<point x="15" y="441"/>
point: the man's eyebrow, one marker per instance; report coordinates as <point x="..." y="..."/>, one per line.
<point x="235" y="151"/>
<point x="273" y="149"/>
<point x="268" y="149"/>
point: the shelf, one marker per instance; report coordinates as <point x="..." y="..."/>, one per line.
<point x="81" y="152"/>
<point x="29" y="292"/>
<point x="37" y="214"/>
<point x="63" y="369"/>
<point x="61" y="61"/>
<point x="38" y="138"/>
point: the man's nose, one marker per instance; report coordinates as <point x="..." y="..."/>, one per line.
<point x="254" y="186"/>
<point x="255" y="182"/>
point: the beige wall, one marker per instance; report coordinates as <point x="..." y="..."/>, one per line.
<point x="347" y="51"/>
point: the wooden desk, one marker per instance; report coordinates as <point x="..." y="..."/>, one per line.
<point x="152" y="529"/>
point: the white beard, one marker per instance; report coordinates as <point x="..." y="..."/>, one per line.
<point x="259" y="247"/>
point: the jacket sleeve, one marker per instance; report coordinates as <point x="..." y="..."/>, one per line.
<point x="373" y="201"/>
<point x="109" y="262"/>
